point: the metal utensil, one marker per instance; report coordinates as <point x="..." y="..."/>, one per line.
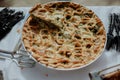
<point x="22" y="59"/>
<point x="8" y="18"/>
<point x="19" y="56"/>
<point x="113" y="41"/>
<point x="102" y="74"/>
<point x="110" y="36"/>
<point x="117" y="37"/>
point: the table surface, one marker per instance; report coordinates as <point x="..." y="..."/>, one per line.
<point x="12" y="72"/>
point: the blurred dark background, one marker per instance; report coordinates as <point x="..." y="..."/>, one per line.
<point x="28" y="3"/>
<point x="5" y="3"/>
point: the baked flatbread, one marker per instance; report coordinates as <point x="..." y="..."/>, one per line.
<point x="78" y="40"/>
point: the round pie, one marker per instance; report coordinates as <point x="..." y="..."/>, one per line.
<point x="63" y="35"/>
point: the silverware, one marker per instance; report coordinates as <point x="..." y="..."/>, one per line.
<point x="110" y="36"/>
<point x="19" y="56"/>
<point x="8" y="18"/>
<point x="113" y="40"/>
<point x="117" y="30"/>
<point x="112" y="72"/>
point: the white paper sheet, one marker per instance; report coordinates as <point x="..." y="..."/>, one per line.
<point x="108" y="58"/>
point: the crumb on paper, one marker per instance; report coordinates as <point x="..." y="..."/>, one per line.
<point x="46" y="75"/>
<point x="18" y="30"/>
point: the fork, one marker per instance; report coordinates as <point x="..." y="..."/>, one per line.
<point x="117" y="37"/>
<point x="19" y="56"/>
<point x="110" y="36"/>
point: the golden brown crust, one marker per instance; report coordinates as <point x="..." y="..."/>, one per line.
<point x="79" y="40"/>
<point x="42" y="11"/>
